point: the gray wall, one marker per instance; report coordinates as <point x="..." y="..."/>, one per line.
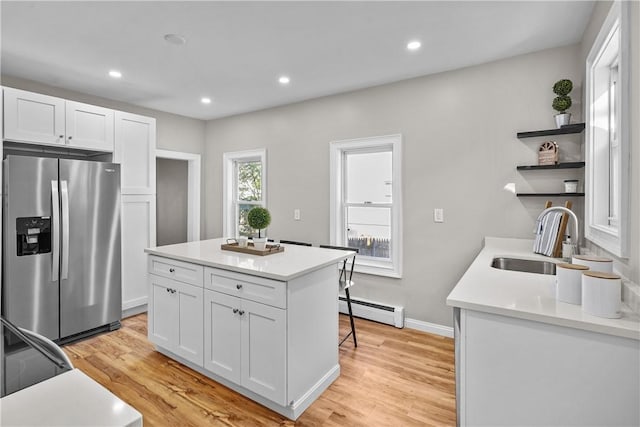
<point x="629" y="267"/>
<point x="173" y="132"/>
<point x="460" y="150"/>
<point x="171" y="201"/>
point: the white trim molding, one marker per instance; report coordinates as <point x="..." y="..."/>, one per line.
<point x="228" y="168"/>
<point x="431" y="328"/>
<point x="611" y="236"/>
<point x="337" y="210"/>
<point x="193" y="189"/>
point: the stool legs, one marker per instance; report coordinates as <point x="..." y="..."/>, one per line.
<point x="353" y="327"/>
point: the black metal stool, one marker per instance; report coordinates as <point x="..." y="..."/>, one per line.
<point x="345" y="282"/>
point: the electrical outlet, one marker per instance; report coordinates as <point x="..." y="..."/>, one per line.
<point x="296" y="214"/>
<point x="438" y="215"/>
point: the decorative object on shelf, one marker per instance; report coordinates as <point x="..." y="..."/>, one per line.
<point x="259" y="218"/>
<point x="548" y="153"/>
<point x="562" y="102"/>
<point x="570" y="185"/>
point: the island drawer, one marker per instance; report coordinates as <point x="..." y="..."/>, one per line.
<point x="177" y="270"/>
<point x="258" y="289"/>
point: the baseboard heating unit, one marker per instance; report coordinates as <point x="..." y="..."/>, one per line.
<point x="391" y="315"/>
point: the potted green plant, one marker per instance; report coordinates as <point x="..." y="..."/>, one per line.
<point x="259" y="218"/>
<point x="562" y="102"/>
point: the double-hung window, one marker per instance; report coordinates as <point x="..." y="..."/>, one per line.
<point x="244" y="188"/>
<point x="607" y="134"/>
<point x="366" y="202"/>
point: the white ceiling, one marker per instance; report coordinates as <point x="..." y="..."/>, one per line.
<point x="236" y="51"/>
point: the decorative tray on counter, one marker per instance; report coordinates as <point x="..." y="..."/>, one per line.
<point x="250" y="249"/>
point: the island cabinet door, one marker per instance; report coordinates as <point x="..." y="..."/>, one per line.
<point x="162" y="313"/>
<point x="175" y="317"/>
<point x="264" y="345"/>
<point x="189" y="300"/>
<point x="222" y="335"/>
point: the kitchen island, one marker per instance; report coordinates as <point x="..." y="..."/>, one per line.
<point x="523" y="358"/>
<point x="264" y="326"/>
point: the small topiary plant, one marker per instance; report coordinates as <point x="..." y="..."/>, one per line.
<point x="259" y="218"/>
<point x="563" y="87"/>
<point x="562" y="102"/>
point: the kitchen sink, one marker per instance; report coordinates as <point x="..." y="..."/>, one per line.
<point x="525" y="265"/>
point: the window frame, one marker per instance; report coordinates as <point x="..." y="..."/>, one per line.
<point x="614" y="235"/>
<point x="337" y="225"/>
<point x="230" y="186"/>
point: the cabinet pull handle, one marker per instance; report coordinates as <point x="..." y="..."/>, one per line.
<point x="172" y="270"/>
<point x="70" y="137"/>
<point x="61" y="136"/>
<point x="168" y="290"/>
<point x="238" y="286"/>
<point x="235" y="310"/>
<point x="241" y="312"/>
<point x="173" y="291"/>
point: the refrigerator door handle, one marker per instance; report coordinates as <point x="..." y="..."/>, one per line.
<point x="55" y="212"/>
<point x="64" y="196"/>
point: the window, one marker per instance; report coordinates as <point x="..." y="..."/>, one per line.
<point x="366" y="202"/>
<point x="607" y="135"/>
<point x="244" y="187"/>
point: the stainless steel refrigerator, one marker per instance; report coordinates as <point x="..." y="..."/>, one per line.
<point x="61" y="245"/>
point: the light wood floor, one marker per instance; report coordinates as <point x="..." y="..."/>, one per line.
<point x="396" y="377"/>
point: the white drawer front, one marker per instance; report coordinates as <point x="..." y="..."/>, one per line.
<point x="266" y="291"/>
<point x="177" y="270"/>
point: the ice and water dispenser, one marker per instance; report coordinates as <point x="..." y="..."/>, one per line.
<point x="34" y="235"/>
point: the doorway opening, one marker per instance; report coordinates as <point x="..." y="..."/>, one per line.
<point x="177" y="197"/>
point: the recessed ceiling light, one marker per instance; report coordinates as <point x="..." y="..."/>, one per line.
<point x="115" y="74"/>
<point x="175" y="39"/>
<point x="414" y="45"/>
<point x="205" y="100"/>
<point x="284" y="80"/>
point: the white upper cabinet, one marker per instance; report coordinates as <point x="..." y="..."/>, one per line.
<point x="41" y="119"/>
<point x="135" y="147"/>
<point x="32" y="117"/>
<point x="89" y="126"/>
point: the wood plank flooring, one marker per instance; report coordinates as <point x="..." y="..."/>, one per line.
<point x="396" y="377"/>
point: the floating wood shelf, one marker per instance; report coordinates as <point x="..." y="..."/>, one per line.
<point x="564" y="130"/>
<point x="550" y="194"/>
<point x="568" y="165"/>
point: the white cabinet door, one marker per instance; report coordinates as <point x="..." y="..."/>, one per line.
<point x="222" y="335"/>
<point x="89" y="126"/>
<point x="264" y="350"/>
<point x="138" y="233"/>
<point x="162" y="313"/>
<point x="135" y="145"/>
<point x="176" y="317"/>
<point x="189" y="320"/>
<point x="32" y="117"/>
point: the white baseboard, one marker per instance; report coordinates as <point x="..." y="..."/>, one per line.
<point x="432" y="328"/>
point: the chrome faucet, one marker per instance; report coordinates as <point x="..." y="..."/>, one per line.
<point x="576" y="228"/>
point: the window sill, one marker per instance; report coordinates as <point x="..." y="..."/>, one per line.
<point x="377" y="270"/>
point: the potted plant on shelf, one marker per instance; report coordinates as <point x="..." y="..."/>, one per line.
<point x="562" y="102"/>
<point x="259" y="218"/>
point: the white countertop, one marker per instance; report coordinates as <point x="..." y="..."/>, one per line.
<point x="294" y="262"/>
<point x="68" y="399"/>
<point x="528" y="296"/>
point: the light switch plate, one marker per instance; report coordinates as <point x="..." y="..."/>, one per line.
<point x="296" y="214"/>
<point x="438" y="215"/>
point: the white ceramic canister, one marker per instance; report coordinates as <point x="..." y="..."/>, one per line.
<point x="569" y="282"/>
<point x="601" y="294"/>
<point x="595" y="263"/>
<point x="570" y="185"/>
